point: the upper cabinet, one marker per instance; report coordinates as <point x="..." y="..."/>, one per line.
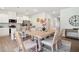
<point x="4" y="18"/>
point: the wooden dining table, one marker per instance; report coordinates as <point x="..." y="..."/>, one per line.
<point x="39" y="35"/>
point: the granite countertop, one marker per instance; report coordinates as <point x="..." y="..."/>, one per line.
<point x="6" y="25"/>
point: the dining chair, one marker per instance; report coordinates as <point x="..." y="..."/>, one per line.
<point x="25" y="46"/>
<point x="52" y="42"/>
<point x="23" y="33"/>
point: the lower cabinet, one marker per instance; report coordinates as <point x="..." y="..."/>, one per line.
<point x="13" y="33"/>
<point x="72" y="33"/>
<point x="4" y="31"/>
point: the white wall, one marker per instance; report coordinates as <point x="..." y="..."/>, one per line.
<point x="21" y="18"/>
<point x="42" y="15"/>
<point x="11" y="15"/>
<point x="65" y="14"/>
<point x="34" y="18"/>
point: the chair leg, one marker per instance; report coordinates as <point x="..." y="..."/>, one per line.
<point x="17" y="49"/>
<point x="39" y="45"/>
<point x="36" y="48"/>
<point x="56" y="47"/>
<point x="52" y="49"/>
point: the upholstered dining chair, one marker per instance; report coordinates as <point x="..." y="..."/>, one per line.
<point x="23" y="33"/>
<point x="53" y="41"/>
<point x="25" y="46"/>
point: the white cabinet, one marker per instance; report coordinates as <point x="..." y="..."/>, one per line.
<point x="72" y="33"/>
<point x="12" y="33"/>
<point x="4" y="31"/>
<point x="4" y="18"/>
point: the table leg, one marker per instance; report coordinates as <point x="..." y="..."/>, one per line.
<point x="38" y="41"/>
<point x="39" y="44"/>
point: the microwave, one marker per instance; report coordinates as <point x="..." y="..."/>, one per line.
<point x="12" y="21"/>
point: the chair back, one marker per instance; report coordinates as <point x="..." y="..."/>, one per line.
<point x="60" y="34"/>
<point x="19" y="41"/>
<point x="57" y="36"/>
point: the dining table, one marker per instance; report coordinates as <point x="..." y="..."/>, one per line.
<point x="40" y="34"/>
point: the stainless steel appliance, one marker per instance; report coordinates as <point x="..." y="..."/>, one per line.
<point x="12" y="24"/>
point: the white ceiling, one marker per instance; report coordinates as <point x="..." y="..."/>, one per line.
<point x="54" y="11"/>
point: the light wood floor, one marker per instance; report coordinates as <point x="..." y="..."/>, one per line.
<point x="74" y="44"/>
<point x="7" y="45"/>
